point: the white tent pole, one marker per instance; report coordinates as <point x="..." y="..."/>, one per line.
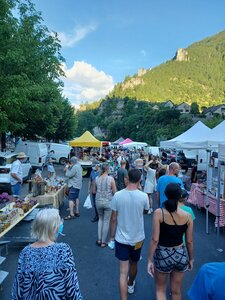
<point x="207" y="190"/>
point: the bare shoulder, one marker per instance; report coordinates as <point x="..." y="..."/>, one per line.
<point x="158" y="213"/>
<point x="182" y="212"/>
<point x="184" y="215"/>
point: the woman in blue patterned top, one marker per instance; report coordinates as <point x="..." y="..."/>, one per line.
<point x="46" y="270"/>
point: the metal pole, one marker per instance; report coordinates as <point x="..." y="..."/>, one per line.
<point x="218" y="207"/>
<point x="207" y="191"/>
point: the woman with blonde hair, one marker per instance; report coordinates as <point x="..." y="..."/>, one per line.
<point x="105" y="188"/>
<point x="46" y="269"/>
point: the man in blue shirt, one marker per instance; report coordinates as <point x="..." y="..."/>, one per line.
<point x="94" y="173"/>
<point x="164" y="180"/>
<point x="209" y="282"/>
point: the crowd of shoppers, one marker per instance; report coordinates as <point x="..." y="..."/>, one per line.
<point x="123" y="186"/>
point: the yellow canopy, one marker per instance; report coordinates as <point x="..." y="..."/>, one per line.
<point x="86" y="140"/>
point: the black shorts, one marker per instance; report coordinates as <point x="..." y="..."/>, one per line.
<point x="167" y="260"/>
<point x="127" y="252"/>
<point x="73" y="193"/>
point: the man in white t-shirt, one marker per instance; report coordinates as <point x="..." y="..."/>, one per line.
<point x="127" y="228"/>
<point x="16" y="178"/>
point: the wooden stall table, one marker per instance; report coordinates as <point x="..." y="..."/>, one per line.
<point x="17" y="219"/>
<point x="197" y="197"/>
<point x="52" y="198"/>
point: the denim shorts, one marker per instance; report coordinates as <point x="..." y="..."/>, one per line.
<point x="167" y="260"/>
<point x="73" y="193"/>
<point x="127" y="252"/>
<point x="16" y="188"/>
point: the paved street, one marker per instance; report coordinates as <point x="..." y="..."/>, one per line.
<point x="98" y="268"/>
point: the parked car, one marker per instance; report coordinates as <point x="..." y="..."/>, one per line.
<point x="6" y="160"/>
<point x="36" y="152"/>
<point x="61" y="152"/>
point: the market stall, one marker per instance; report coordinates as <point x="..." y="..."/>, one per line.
<point x="125" y="142"/>
<point x="11" y="213"/>
<point x="86" y="140"/>
<point x="53" y="197"/>
<point x="194" y="137"/>
<point x="14" y="212"/>
<point x="135" y="145"/>
<point x="47" y="191"/>
<point x="221" y="185"/>
<point x="198" y="197"/>
<point x="115" y="143"/>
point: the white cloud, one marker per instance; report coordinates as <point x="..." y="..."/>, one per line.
<point x="84" y="83"/>
<point x="78" y="34"/>
<point x="143" y="52"/>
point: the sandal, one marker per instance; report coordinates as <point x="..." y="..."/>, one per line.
<point x="98" y="243"/>
<point x="103" y="245"/>
<point x="77" y="214"/>
<point x="69" y="217"/>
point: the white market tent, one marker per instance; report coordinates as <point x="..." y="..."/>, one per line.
<point x="217" y="135"/>
<point x="211" y="141"/>
<point x="192" y="138"/>
<point x="137" y="145"/>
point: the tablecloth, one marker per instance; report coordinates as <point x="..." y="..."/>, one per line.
<point x="198" y="198"/>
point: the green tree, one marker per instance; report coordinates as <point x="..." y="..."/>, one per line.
<point x="10" y="93"/>
<point x="194" y="108"/>
<point x="30" y="72"/>
<point x="213" y="122"/>
<point x="41" y="64"/>
<point x="86" y="120"/>
<point x="67" y="123"/>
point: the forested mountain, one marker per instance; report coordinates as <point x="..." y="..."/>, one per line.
<point x="195" y="74"/>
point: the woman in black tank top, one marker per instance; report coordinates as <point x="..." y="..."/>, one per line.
<point x="166" y="247"/>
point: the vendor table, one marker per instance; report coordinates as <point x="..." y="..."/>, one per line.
<point x="17" y="220"/>
<point x="197" y="197"/>
<point x="54" y="198"/>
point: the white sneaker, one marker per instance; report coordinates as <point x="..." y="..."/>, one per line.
<point x="130" y="288"/>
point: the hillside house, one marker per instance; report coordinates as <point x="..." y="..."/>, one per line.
<point x="214" y="110"/>
<point x="155" y="107"/>
<point x="184" y="108"/>
<point x="168" y="104"/>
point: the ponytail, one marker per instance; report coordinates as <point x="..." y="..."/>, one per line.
<point x="170" y="205"/>
<point x="104" y="168"/>
<point x="173" y="194"/>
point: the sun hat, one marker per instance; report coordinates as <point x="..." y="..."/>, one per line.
<point x="21" y="155"/>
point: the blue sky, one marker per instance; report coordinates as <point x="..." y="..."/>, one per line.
<point x="104" y="41"/>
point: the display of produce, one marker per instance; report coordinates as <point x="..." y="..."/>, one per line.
<point x="4" y="198"/>
<point x="54" y="185"/>
<point x="25" y="205"/>
<point x="13" y="211"/>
